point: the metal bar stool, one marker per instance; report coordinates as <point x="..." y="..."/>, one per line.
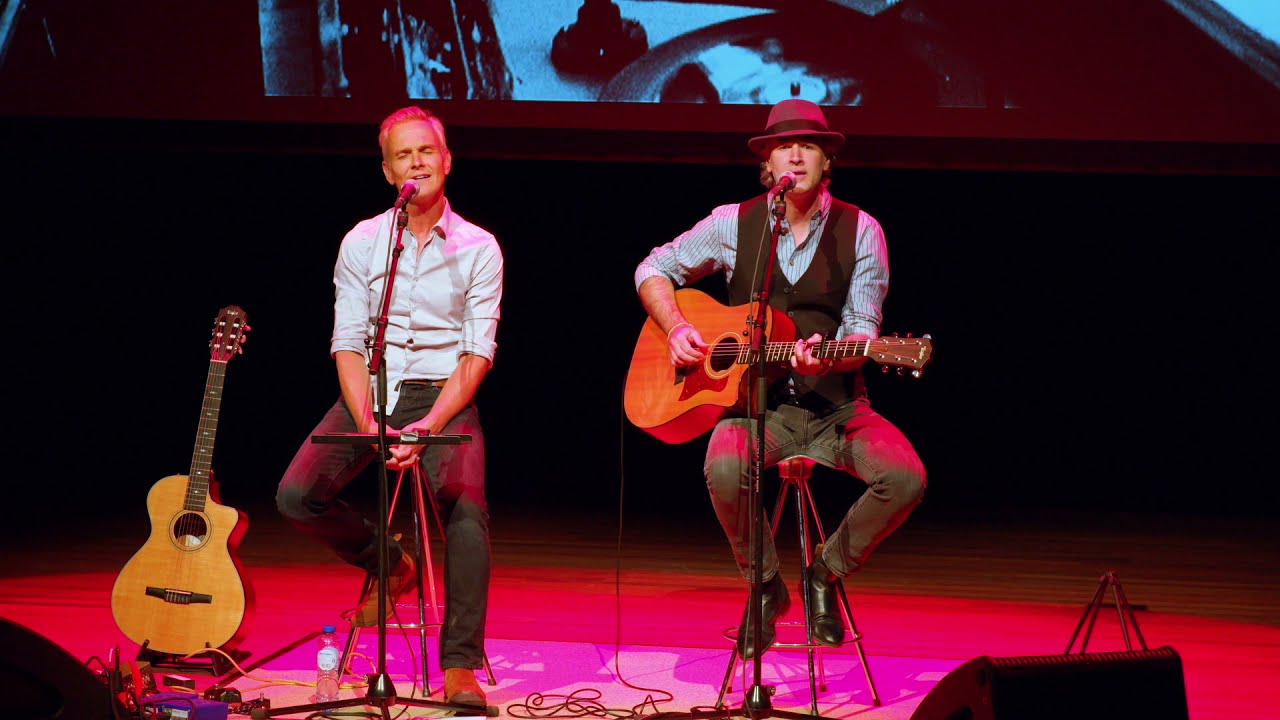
<point x="796" y="471"/>
<point x="423" y="498"/>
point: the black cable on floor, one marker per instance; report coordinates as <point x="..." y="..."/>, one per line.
<point x="585" y="702"/>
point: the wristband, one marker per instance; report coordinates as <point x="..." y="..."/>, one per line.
<point x="674" y="327"/>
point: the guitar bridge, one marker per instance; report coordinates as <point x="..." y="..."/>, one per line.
<point x="179" y="597"/>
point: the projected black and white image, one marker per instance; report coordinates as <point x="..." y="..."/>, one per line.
<point x="904" y="53"/>
<point x="1086" y="69"/>
<point x="834" y="53"/>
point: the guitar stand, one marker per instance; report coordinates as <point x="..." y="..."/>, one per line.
<point x="1123" y="609"/>
<point x="216" y="665"/>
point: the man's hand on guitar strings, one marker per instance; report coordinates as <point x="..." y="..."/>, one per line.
<point x="686" y="345"/>
<point x="803" y="360"/>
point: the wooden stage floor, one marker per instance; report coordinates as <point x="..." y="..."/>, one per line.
<point x="581" y="602"/>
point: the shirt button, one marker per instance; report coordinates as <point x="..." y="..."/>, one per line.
<point x="409" y="341"/>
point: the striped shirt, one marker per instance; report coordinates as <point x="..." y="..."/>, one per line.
<point x="712" y="245"/>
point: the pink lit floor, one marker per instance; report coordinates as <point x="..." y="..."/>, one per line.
<point x="579" y="609"/>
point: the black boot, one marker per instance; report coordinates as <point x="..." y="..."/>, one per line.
<point x="828" y="628"/>
<point x="776" y="601"/>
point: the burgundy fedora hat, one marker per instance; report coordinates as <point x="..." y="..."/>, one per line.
<point x="794" y="117"/>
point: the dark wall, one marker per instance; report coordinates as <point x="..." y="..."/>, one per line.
<point x="1100" y="339"/>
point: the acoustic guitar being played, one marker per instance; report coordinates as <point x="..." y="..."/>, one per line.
<point x="183" y="590"/>
<point x="676" y="405"/>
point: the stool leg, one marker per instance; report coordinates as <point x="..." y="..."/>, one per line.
<point x="425" y="491"/>
<point x="729" y="673"/>
<point x="426" y="571"/>
<point x="353" y="635"/>
<point x="421" y="491"/>
<point x="845" y="607"/>
<point x="806" y="553"/>
<point x="857" y="641"/>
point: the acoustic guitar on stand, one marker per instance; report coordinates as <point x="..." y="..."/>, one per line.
<point x="676" y="405"/>
<point x="183" y="590"/>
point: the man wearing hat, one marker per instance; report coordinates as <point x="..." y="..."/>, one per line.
<point x="830" y="276"/>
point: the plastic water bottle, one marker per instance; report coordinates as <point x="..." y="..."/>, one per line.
<point x="328" y="655"/>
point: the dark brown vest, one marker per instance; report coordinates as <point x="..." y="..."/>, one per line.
<point x="813" y="303"/>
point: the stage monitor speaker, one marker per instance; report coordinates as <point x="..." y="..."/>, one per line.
<point x="1134" y="685"/>
<point x="42" y="681"/>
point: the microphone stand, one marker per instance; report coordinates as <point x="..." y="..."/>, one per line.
<point x="381" y="692"/>
<point x="380" y="687"/>
<point x="757" y="698"/>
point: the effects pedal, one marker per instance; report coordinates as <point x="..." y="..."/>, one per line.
<point x="183" y="706"/>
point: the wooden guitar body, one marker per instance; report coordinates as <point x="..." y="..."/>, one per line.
<point x="183" y="587"/>
<point x="183" y="590"/>
<point x="676" y="405"/>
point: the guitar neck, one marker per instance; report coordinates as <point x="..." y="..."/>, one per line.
<point x="202" y="457"/>
<point x="776" y="352"/>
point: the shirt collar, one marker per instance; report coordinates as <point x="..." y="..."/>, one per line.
<point x="820" y="214"/>
<point x="448" y="220"/>
<point x="824" y="205"/>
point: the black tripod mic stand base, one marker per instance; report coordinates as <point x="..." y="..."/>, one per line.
<point x="382" y="695"/>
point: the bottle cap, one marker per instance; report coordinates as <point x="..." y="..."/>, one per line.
<point x="329" y="628"/>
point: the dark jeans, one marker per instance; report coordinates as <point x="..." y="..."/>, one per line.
<point x="853" y="438"/>
<point x="308" y="498"/>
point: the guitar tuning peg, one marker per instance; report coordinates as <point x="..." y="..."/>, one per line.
<point x="901" y="372"/>
<point x="895" y="334"/>
<point x="917" y="374"/>
<point x="908" y="334"/>
<point x="927" y="336"/>
<point x="884" y="369"/>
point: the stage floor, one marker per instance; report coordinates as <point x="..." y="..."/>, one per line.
<point x="629" y="616"/>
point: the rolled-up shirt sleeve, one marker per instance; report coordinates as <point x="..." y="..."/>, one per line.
<point x="483" y="305"/>
<point x="695" y="253"/>
<point x="863" y="308"/>
<point x="351" y="315"/>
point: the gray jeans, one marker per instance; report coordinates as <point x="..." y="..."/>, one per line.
<point x="853" y="438"/>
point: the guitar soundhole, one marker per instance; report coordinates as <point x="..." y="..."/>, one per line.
<point x="190" y="531"/>
<point x="723" y="355"/>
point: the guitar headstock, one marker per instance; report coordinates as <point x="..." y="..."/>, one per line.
<point x="902" y="352"/>
<point x="229" y="331"/>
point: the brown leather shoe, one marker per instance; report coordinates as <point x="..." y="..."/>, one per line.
<point x="401" y="577"/>
<point x="461" y="688"/>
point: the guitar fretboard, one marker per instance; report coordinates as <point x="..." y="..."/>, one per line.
<point x="782" y="351"/>
<point x="202" y="456"/>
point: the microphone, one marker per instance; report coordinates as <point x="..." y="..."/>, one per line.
<point x="407" y="191"/>
<point x="786" y="181"/>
